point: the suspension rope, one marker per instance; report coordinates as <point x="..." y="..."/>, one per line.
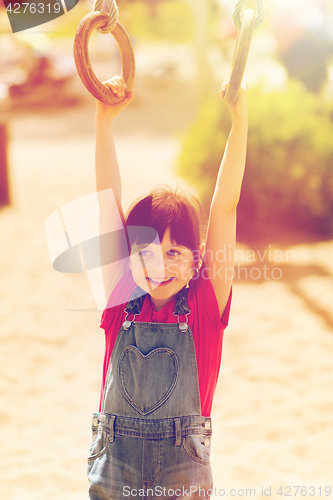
<point x="237" y="14"/>
<point x="113" y="12"/>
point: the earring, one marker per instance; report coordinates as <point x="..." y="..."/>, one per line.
<point x="193" y="273"/>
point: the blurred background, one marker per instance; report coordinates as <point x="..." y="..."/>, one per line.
<point x="273" y="408"/>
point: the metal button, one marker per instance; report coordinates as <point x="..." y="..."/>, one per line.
<point x="95" y="421"/>
<point x="207" y="424"/>
<point x="206" y="442"/>
<point x="183" y="327"/>
<point x="127" y="325"/>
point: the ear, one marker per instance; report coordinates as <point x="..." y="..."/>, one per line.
<point x="202" y="248"/>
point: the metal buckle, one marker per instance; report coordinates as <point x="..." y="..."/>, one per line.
<point x="182" y="325"/>
<point x="128" y="324"/>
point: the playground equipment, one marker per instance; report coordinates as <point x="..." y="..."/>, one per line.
<point x="245" y="24"/>
<point x="105" y="23"/>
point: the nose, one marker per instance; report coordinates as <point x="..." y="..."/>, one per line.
<point x="158" y="268"/>
<point x="159" y="265"/>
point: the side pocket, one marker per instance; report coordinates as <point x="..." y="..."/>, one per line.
<point x="99" y="441"/>
<point x="197" y="447"/>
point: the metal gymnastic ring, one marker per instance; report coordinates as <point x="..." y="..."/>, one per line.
<point x="83" y="64"/>
<point x="241" y="52"/>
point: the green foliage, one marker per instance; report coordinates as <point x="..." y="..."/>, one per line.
<point x="150" y="20"/>
<point x="288" y="181"/>
<point x="158" y="20"/>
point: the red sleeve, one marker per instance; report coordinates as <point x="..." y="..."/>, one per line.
<point x="104" y="320"/>
<point x="226" y="312"/>
<point x="118" y="298"/>
<point x="207" y="328"/>
<point x="206" y="297"/>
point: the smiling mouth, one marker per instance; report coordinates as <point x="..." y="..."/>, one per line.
<point x="160" y="281"/>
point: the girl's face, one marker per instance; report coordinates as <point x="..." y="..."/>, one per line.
<point x="161" y="269"/>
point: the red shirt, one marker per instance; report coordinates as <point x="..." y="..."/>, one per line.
<point x="204" y="320"/>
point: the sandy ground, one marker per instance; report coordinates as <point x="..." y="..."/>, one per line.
<point x="273" y="408"/>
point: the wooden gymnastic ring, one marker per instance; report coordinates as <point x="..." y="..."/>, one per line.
<point x="83" y="64"/>
<point x="241" y="53"/>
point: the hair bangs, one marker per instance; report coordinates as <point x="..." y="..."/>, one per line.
<point x="163" y="208"/>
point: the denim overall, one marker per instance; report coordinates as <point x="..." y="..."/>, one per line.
<point x="150" y="440"/>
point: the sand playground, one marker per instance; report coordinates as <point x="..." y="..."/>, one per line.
<point x="273" y="409"/>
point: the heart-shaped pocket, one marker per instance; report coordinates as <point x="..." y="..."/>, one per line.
<point x="147" y="381"/>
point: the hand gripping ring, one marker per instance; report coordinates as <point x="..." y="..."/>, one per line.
<point x="82" y="61"/>
<point x="241" y="53"/>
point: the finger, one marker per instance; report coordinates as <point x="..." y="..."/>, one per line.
<point x="120" y="86"/>
<point x="223" y="91"/>
<point x="110" y="80"/>
<point x="110" y="84"/>
<point x="116" y="82"/>
<point x="114" y="87"/>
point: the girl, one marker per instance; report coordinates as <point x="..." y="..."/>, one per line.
<point x="164" y="326"/>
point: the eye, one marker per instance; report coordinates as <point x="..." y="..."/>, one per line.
<point x="173" y="252"/>
<point x="145" y="253"/>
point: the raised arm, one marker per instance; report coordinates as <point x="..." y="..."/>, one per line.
<point x="221" y="233"/>
<point x="108" y="185"/>
<point x="106" y="163"/>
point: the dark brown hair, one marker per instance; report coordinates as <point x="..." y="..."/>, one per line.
<point x="163" y="208"/>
